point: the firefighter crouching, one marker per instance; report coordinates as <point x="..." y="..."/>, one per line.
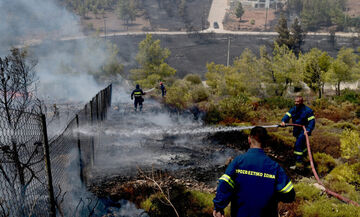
<point x="253" y="183"/>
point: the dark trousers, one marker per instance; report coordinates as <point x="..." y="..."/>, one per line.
<point x="300" y="147"/>
<point x="138" y="100"/>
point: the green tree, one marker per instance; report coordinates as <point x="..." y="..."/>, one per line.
<point x="315" y="68"/>
<point x="247" y="69"/>
<point x="284" y="34"/>
<point x="126" y="10"/>
<point x="151" y="59"/>
<point x="345" y="68"/>
<point x="322" y="13"/>
<point x="297" y="36"/>
<point x="284" y="69"/>
<point x="239" y="10"/>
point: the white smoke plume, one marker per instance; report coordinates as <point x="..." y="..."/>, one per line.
<point x="63" y="65"/>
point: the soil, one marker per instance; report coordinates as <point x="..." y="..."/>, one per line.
<point x="353" y="8"/>
<point x="153" y="16"/>
<point x="113" y="23"/>
<point x="252" y="20"/>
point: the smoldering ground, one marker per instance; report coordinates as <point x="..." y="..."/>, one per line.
<point x="154" y="139"/>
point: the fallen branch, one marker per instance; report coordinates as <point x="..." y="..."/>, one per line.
<point x="161" y="190"/>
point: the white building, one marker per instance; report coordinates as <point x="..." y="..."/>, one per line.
<point x="258" y="3"/>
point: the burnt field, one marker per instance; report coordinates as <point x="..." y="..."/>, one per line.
<point x="190" y="53"/>
<point x="157" y="139"/>
<point x="171" y="146"/>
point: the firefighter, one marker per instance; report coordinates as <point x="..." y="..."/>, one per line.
<point x="163" y="89"/>
<point x="303" y="115"/>
<point x="253" y="183"/>
<point x="138" y="93"/>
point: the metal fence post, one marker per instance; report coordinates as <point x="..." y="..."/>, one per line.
<point x="92" y="136"/>
<point x="79" y="149"/>
<point x="48" y="167"/>
<point x="97" y="107"/>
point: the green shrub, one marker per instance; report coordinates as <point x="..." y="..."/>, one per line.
<point x="323" y="122"/>
<point x="345" y="125"/>
<point x="324" y="163"/>
<point x="199" y="93"/>
<point x="350" y="144"/>
<point x="345" y="173"/>
<point x="278" y="102"/>
<point x="329" y="208"/>
<point x="252" y="22"/>
<point x="306" y="191"/>
<point x="213" y="114"/>
<point x="357" y="112"/>
<point x="333" y="113"/>
<point x="187" y="203"/>
<point x="349" y="96"/>
<point x="194" y="79"/>
<point x="236" y="107"/>
<point x="321" y="103"/>
<point x="178" y="95"/>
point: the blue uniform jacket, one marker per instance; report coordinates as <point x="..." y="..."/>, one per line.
<point x="251" y="183"/>
<point x="138" y="92"/>
<point x="302" y="115"/>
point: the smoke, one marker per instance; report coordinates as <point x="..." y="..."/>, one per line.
<point x="29" y="19"/>
<point x="65" y="67"/>
<point x="80" y="202"/>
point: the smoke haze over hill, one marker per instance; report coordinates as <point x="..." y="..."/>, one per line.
<point x="63" y="70"/>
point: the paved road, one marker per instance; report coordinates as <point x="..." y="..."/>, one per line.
<point x="217" y="13"/>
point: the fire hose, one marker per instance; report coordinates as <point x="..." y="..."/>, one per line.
<point x="336" y="195"/>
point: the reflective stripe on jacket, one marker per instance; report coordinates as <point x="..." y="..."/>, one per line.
<point x="251" y="183"/>
<point x="137" y="93"/>
<point x="303" y="116"/>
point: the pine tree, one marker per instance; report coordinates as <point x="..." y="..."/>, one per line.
<point x="297" y="37"/>
<point x="284" y="33"/>
<point x="239" y="11"/>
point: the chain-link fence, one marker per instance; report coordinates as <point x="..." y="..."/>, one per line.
<point x="27" y="187"/>
<point x="72" y="152"/>
<point x="22" y="169"/>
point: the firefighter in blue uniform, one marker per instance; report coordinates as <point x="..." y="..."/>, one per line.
<point x="303" y="115"/>
<point x="163" y="89"/>
<point x="138" y="93"/>
<point x="253" y="183"/>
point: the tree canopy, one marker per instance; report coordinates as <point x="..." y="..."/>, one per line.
<point x="151" y="60"/>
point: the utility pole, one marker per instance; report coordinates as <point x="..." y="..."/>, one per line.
<point x="267" y="4"/>
<point x="228" y="52"/>
<point x="105" y="28"/>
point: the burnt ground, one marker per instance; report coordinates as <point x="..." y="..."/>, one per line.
<point x="191" y="53"/>
<point x="175" y="148"/>
<point x="158" y="140"/>
<point x="153" y="15"/>
<point x="168" y="15"/>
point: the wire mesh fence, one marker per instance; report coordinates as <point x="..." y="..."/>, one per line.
<point x="72" y="153"/>
<point x="22" y="170"/>
<point x="27" y="186"/>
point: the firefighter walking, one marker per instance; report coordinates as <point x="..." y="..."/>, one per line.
<point x="138" y="93"/>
